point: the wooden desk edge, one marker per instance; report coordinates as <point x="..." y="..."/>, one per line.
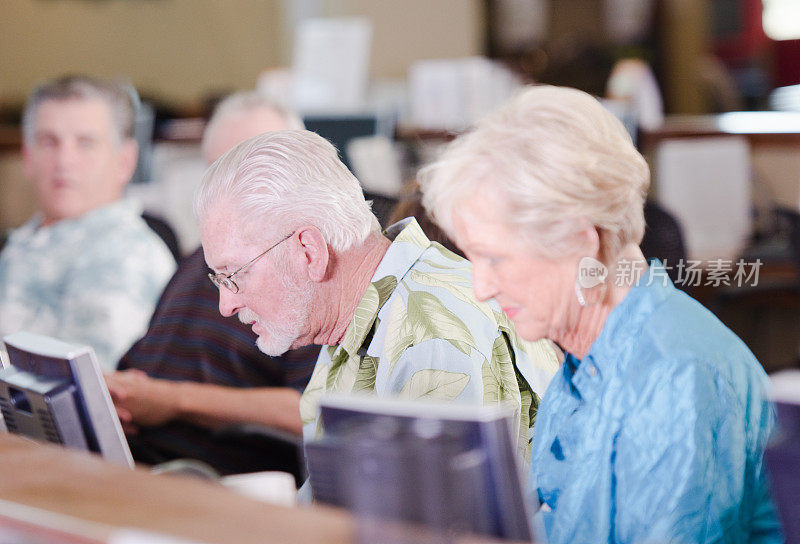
<point x="79" y="486"/>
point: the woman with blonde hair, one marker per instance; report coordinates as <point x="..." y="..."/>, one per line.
<point x="655" y="427"/>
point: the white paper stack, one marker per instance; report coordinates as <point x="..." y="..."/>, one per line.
<point x="705" y="184"/>
<point x="330" y="66"/>
<point x="452" y="94"/>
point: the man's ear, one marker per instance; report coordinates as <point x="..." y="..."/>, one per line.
<point x="127" y="155"/>
<point x="314" y="253"/>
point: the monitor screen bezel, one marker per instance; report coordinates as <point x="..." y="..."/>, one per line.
<point x="495" y="423"/>
<point x="93" y="397"/>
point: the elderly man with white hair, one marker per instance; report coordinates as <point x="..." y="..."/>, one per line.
<point x="195" y="370"/>
<point x="298" y="255"/>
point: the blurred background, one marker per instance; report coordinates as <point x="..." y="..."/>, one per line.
<point x="709" y="89"/>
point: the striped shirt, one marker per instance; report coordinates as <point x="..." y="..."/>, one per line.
<point x="189" y="340"/>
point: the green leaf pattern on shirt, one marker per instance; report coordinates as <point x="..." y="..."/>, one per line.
<point x="363" y="318"/>
<point x="398" y="336"/>
<point x="499" y="376"/>
<point x="446" y="265"/>
<point x="385" y="287"/>
<point x="447" y="253"/>
<point x="314" y="390"/>
<point x="458" y="286"/>
<point x="424" y="318"/>
<point x="434" y="384"/>
<point x="365" y="380"/>
<point x="343" y="371"/>
<point x="423" y="294"/>
<point x="415" y="236"/>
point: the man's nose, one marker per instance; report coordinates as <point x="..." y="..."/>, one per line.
<point x="66" y="154"/>
<point x="228" y="302"/>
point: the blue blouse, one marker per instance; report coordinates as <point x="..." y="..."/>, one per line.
<point x="658" y="434"/>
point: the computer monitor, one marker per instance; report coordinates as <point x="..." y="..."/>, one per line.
<point x="782" y="455"/>
<point x="448" y="467"/>
<point x="339" y="129"/>
<point x="54" y="391"/>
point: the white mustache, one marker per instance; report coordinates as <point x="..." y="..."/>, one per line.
<point x="248" y="316"/>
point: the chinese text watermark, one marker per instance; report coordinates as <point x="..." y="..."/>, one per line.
<point x="684" y="273"/>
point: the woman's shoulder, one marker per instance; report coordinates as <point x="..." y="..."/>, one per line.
<point x="681" y="341"/>
<point x="682" y="328"/>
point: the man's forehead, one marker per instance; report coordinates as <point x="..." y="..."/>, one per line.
<point x="254" y="121"/>
<point x="237" y="126"/>
<point x="85" y="115"/>
<point x="225" y="239"/>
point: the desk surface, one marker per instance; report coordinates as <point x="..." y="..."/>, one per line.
<point x="107" y="497"/>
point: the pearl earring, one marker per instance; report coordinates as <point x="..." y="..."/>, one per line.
<point x="579" y="294"/>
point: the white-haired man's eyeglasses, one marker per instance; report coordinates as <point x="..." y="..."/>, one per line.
<point x="226" y="280"/>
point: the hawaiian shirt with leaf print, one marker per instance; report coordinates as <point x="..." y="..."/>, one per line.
<point x="419" y="333"/>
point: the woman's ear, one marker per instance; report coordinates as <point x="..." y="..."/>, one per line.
<point x="588" y="239"/>
<point x="314" y="253"/>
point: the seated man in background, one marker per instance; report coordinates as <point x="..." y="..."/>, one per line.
<point x="86" y="268"/>
<point x="299" y="256"/>
<point x="196" y="370"/>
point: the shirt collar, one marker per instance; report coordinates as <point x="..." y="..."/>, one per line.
<point x="623" y="323"/>
<point x="96" y="219"/>
<point x="408" y="245"/>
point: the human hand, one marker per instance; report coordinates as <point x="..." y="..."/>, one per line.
<point x="141" y="401"/>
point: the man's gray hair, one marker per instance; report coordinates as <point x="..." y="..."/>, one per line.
<point x="121" y="98"/>
<point x="246" y="101"/>
<point x="557" y="159"/>
<point x="289" y="178"/>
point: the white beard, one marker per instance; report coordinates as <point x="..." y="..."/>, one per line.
<point x="277" y="338"/>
